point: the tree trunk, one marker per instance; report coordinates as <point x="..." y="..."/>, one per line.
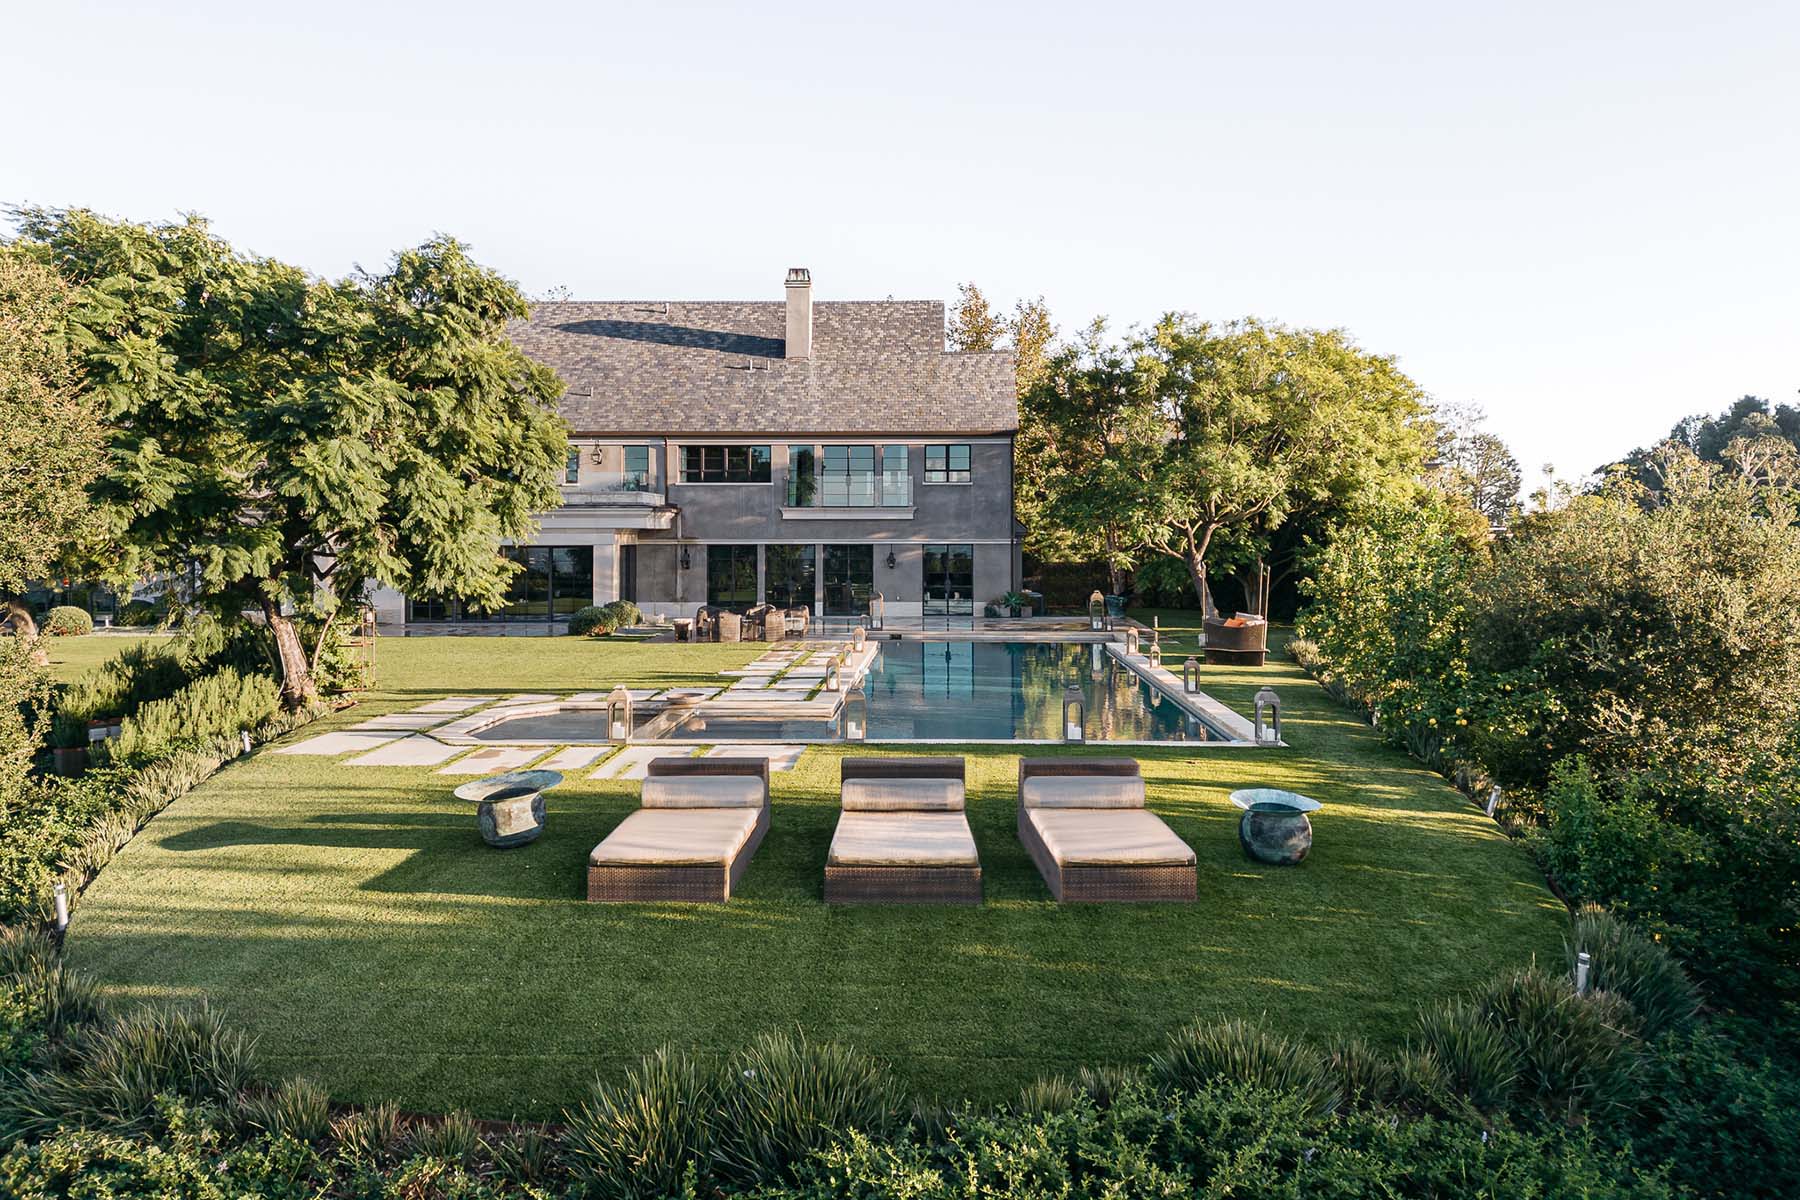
<point x="1195" y="558"/>
<point x="296" y="672"/>
<point x="1115" y="574"/>
<point x="24" y="627"/>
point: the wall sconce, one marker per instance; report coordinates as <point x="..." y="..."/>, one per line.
<point x="1266" y="699"/>
<point x="1190" y="676"/>
<point x="686" y="562"/>
<point x="1096" y="612"/>
<point x="1074" y="710"/>
<point x="890" y="560"/>
<point x="618" y="715"/>
<point x="877" y="610"/>
<point x="856" y="716"/>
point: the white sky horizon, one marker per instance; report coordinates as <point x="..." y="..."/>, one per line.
<point x="1584" y="219"/>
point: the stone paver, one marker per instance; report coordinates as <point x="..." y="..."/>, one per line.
<point x="630" y="763"/>
<point x="492" y="760"/>
<point x="402" y="721"/>
<point x="530" y="698"/>
<point x="415" y="751"/>
<point x="701" y="693"/>
<point x="572" y="758"/>
<point x="339" y="743"/>
<point x="452" y="704"/>
<point x="781" y="758"/>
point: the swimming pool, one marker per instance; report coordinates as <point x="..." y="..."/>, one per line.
<point x="963" y="691"/>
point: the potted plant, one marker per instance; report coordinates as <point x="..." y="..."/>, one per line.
<point x="1013" y="602"/>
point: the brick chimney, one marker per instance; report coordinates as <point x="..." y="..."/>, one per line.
<point x="799" y="312"/>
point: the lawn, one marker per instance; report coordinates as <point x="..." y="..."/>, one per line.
<point x="73" y="656"/>
<point x="352" y="918"/>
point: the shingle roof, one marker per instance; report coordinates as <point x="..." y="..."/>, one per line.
<point x="718" y="367"/>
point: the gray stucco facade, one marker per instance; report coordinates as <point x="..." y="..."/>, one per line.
<point x="712" y="462"/>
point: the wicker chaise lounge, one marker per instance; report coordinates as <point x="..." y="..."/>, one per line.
<point x="1085" y="825"/>
<point x="701" y="822"/>
<point x="903" y="836"/>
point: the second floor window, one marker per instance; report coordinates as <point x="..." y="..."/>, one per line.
<point x="572" y="468"/>
<point x="636" y="477"/>
<point x="725" y="464"/>
<point x="947" y="464"/>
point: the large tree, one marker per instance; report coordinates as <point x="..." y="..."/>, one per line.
<point x="50" y="439"/>
<point x="1254" y="423"/>
<point x="1473" y="463"/>
<point x="291" y="437"/>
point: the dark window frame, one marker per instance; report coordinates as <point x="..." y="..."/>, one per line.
<point x="706" y="463"/>
<point x="941" y="463"/>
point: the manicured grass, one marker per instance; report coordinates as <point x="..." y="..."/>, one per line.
<point x="71" y="657"/>
<point x="352" y="918"/>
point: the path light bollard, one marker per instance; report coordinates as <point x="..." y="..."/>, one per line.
<point x="1583" y="964"/>
<point x="1131" y="639"/>
<point x="1097" y="612"/>
<point x="856" y="715"/>
<point x="834" y="672"/>
<point x="877" y="610"/>
<point x="618" y="715"/>
<point x="1074" y="715"/>
<point x="1493" y="804"/>
<point x="1269" y="704"/>
<point x="1190" y="676"/>
<point x="62" y="907"/>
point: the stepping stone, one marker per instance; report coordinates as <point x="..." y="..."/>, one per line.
<point x="402" y="721"/>
<point x="452" y="704"/>
<point x="415" y="751"/>
<point x="529" y="698"/>
<point x="339" y="743"/>
<point x="762" y="695"/>
<point x="572" y="759"/>
<point x="585" y="697"/>
<point x="791" y="684"/>
<point x="632" y="761"/>
<point x="690" y="693"/>
<point x="781" y="758"/>
<point x="748" y="685"/>
<point x="492" y="759"/>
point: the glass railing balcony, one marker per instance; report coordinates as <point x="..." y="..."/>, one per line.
<point x="614" y="487"/>
<point x="804" y="489"/>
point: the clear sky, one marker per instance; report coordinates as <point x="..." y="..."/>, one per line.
<point x="1584" y="217"/>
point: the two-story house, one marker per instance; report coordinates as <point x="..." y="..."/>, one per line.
<point x="790" y="452"/>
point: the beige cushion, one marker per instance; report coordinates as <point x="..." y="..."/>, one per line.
<point x="903" y="795"/>
<point x="1108" y="837"/>
<point x="903" y="839"/>
<point x="702" y="791"/>
<point x="1083" y="791"/>
<point x="664" y="837"/>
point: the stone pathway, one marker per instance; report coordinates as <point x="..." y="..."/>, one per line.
<point x="452" y="704"/>
<point x="403" y="721"/>
<point x="572" y="758"/>
<point x="781" y="758"/>
<point x="630" y="763"/>
<point x="338" y="743"/>
<point x="415" y="751"/>
<point x="492" y="760"/>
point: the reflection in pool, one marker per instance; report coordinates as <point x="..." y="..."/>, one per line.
<point x="985" y="691"/>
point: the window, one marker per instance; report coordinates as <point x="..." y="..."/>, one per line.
<point x="802" y="476"/>
<point x="849" y="578"/>
<point x="896" y="483"/>
<point x="725" y="464"/>
<point x="555" y="581"/>
<point x="947" y="464"/>
<point x="572" y="468"/>
<point x="731" y="577"/>
<point x="637" y="469"/>
<point x="790" y="575"/>
<point x="949" y="585"/>
<point x="847" y="476"/>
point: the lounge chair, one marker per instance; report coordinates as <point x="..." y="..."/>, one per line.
<point x="1084" y="823"/>
<point x="903" y="836"/>
<point x="701" y="822"/>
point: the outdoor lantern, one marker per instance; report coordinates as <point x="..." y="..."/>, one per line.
<point x="1074" y="710"/>
<point x="859" y="637"/>
<point x="1155" y="651"/>
<point x="877" y="610"/>
<point x="62" y="907"/>
<point x="685" y="561"/>
<point x="890" y="560"/>
<point x="856" y="715"/>
<point x="1267" y="701"/>
<point x="1190" y="675"/>
<point x="834" y="672"/>
<point x="1583" y="964"/>
<point x="618" y="715"/>
<point x="1131" y="639"/>
<point x="1096" y="612"/>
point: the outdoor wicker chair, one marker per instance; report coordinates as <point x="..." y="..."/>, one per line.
<point x="798" y="621"/>
<point x="1084" y="823"/>
<point x="701" y="822"/>
<point x="903" y="835"/>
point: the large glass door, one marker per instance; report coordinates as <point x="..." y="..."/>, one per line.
<point x="849" y="578"/>
<point x="731" y="577"/>
<point x="949" y="585"/>
<point x="790" y="575"/>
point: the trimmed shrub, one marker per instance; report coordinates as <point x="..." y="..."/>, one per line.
<point x="452" y="1138"/>
<point x="625" y="612"/>
<point x="592" y="621"/>
<point x="1628" y="963"/>
<point x="136" y="614"/>
<point x="218" y="705"/>
<point x="787" y="1098"/>
<point x="638" y="1137"/>
<point x="1235" y="1051"/>
<point x="297" y="1108"/>
<point x="1573" y="1053"/>
<point x="67" y="621"/>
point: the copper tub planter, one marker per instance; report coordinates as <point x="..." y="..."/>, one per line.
<point x="1235" y="645"/>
